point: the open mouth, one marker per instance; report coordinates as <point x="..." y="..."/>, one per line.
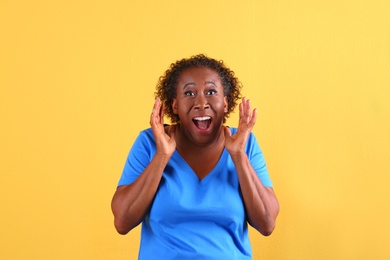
<point x="202" y="122"/>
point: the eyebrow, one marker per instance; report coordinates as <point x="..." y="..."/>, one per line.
<point x="193" y="84"/>
<point x="189" y="84"/>
<point x="211" y="82"/>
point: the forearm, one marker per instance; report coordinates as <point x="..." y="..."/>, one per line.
<point x="131" y="202"/>
<point x="260" y="202"/>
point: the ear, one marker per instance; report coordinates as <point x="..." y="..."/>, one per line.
<point x="226" y="104"/>
<point x="174" y="106"/>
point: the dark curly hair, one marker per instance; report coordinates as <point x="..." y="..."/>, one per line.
<point x="166" y="86"/>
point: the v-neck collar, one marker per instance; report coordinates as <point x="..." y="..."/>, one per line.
<point x="188" y="170"/>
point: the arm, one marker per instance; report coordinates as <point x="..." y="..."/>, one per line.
<point x="260" y="202"/>
<point x="131" y="202"/>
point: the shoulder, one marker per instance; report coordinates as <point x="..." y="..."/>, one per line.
<point x="145" y="138"/>
<point x="146" y="133"/>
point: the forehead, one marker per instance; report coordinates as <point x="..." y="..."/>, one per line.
<point x="198" y="74"/>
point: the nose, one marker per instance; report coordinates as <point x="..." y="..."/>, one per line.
<point x="201" y="102"/>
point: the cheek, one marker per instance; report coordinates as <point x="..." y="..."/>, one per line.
<point x="181" y="107"/>
<point x="218" y="104"/>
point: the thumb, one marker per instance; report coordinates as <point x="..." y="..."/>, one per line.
<point x="171" y="131"/>
<point x="227" y="131"/>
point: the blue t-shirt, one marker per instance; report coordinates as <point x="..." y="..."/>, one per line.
<point x="192" y="218"/>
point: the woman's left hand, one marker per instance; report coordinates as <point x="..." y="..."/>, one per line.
<point x="247" y="119"/>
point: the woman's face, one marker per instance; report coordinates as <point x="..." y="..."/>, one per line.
<point x="200" y="104"/>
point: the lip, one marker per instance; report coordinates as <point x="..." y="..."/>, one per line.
<point x="205" y="119"/>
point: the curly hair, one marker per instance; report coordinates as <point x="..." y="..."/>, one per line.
<point x="166" y="86"/>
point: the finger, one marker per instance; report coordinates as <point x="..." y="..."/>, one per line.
<point x="156" y="104"/>
<point x="242" y="118"/>
<point x="155" y="112"/>
<point x="161" y="113"/>
<point x="241" y="108"/>
<point x="254" y="117"/>
<point x="246" y="111"/>
<point x="152" y="114"/>
<point x="248" y="108"/>
<point x="227" y="131"/>
<point x="172" y="131"/>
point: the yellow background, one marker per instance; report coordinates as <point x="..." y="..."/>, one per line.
<point x="77" y="82"/>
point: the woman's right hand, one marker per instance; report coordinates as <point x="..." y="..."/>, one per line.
<point x="165" y="143"/>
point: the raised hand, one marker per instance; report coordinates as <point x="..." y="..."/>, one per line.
<point x="165" y="143"/>
<point x="247" y="119"/>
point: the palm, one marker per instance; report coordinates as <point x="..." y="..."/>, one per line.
<point x="247" y="119"/>
<point x="165" y="143"/>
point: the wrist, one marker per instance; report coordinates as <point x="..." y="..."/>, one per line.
<point x="162" y="157"/>
<point x="237" y="154"/>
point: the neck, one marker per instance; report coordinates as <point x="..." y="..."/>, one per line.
<point x="185" y="144"/>
<point x="202" y="158"/>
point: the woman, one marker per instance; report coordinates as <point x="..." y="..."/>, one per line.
<point x="196" y="184"/>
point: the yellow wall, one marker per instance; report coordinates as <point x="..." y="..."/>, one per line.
<point x="77" y="81"/>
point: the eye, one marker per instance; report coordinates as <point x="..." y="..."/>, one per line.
<point x="211" y="92"/>
<point x="189" y="93"/>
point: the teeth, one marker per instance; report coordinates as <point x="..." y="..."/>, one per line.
<point x="203" y="118"/>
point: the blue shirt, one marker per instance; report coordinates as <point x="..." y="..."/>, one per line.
<point x="192" y="218"/>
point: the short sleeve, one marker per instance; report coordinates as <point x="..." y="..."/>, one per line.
<point x="139" y="157"/>
<point x="257" y="160"/>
